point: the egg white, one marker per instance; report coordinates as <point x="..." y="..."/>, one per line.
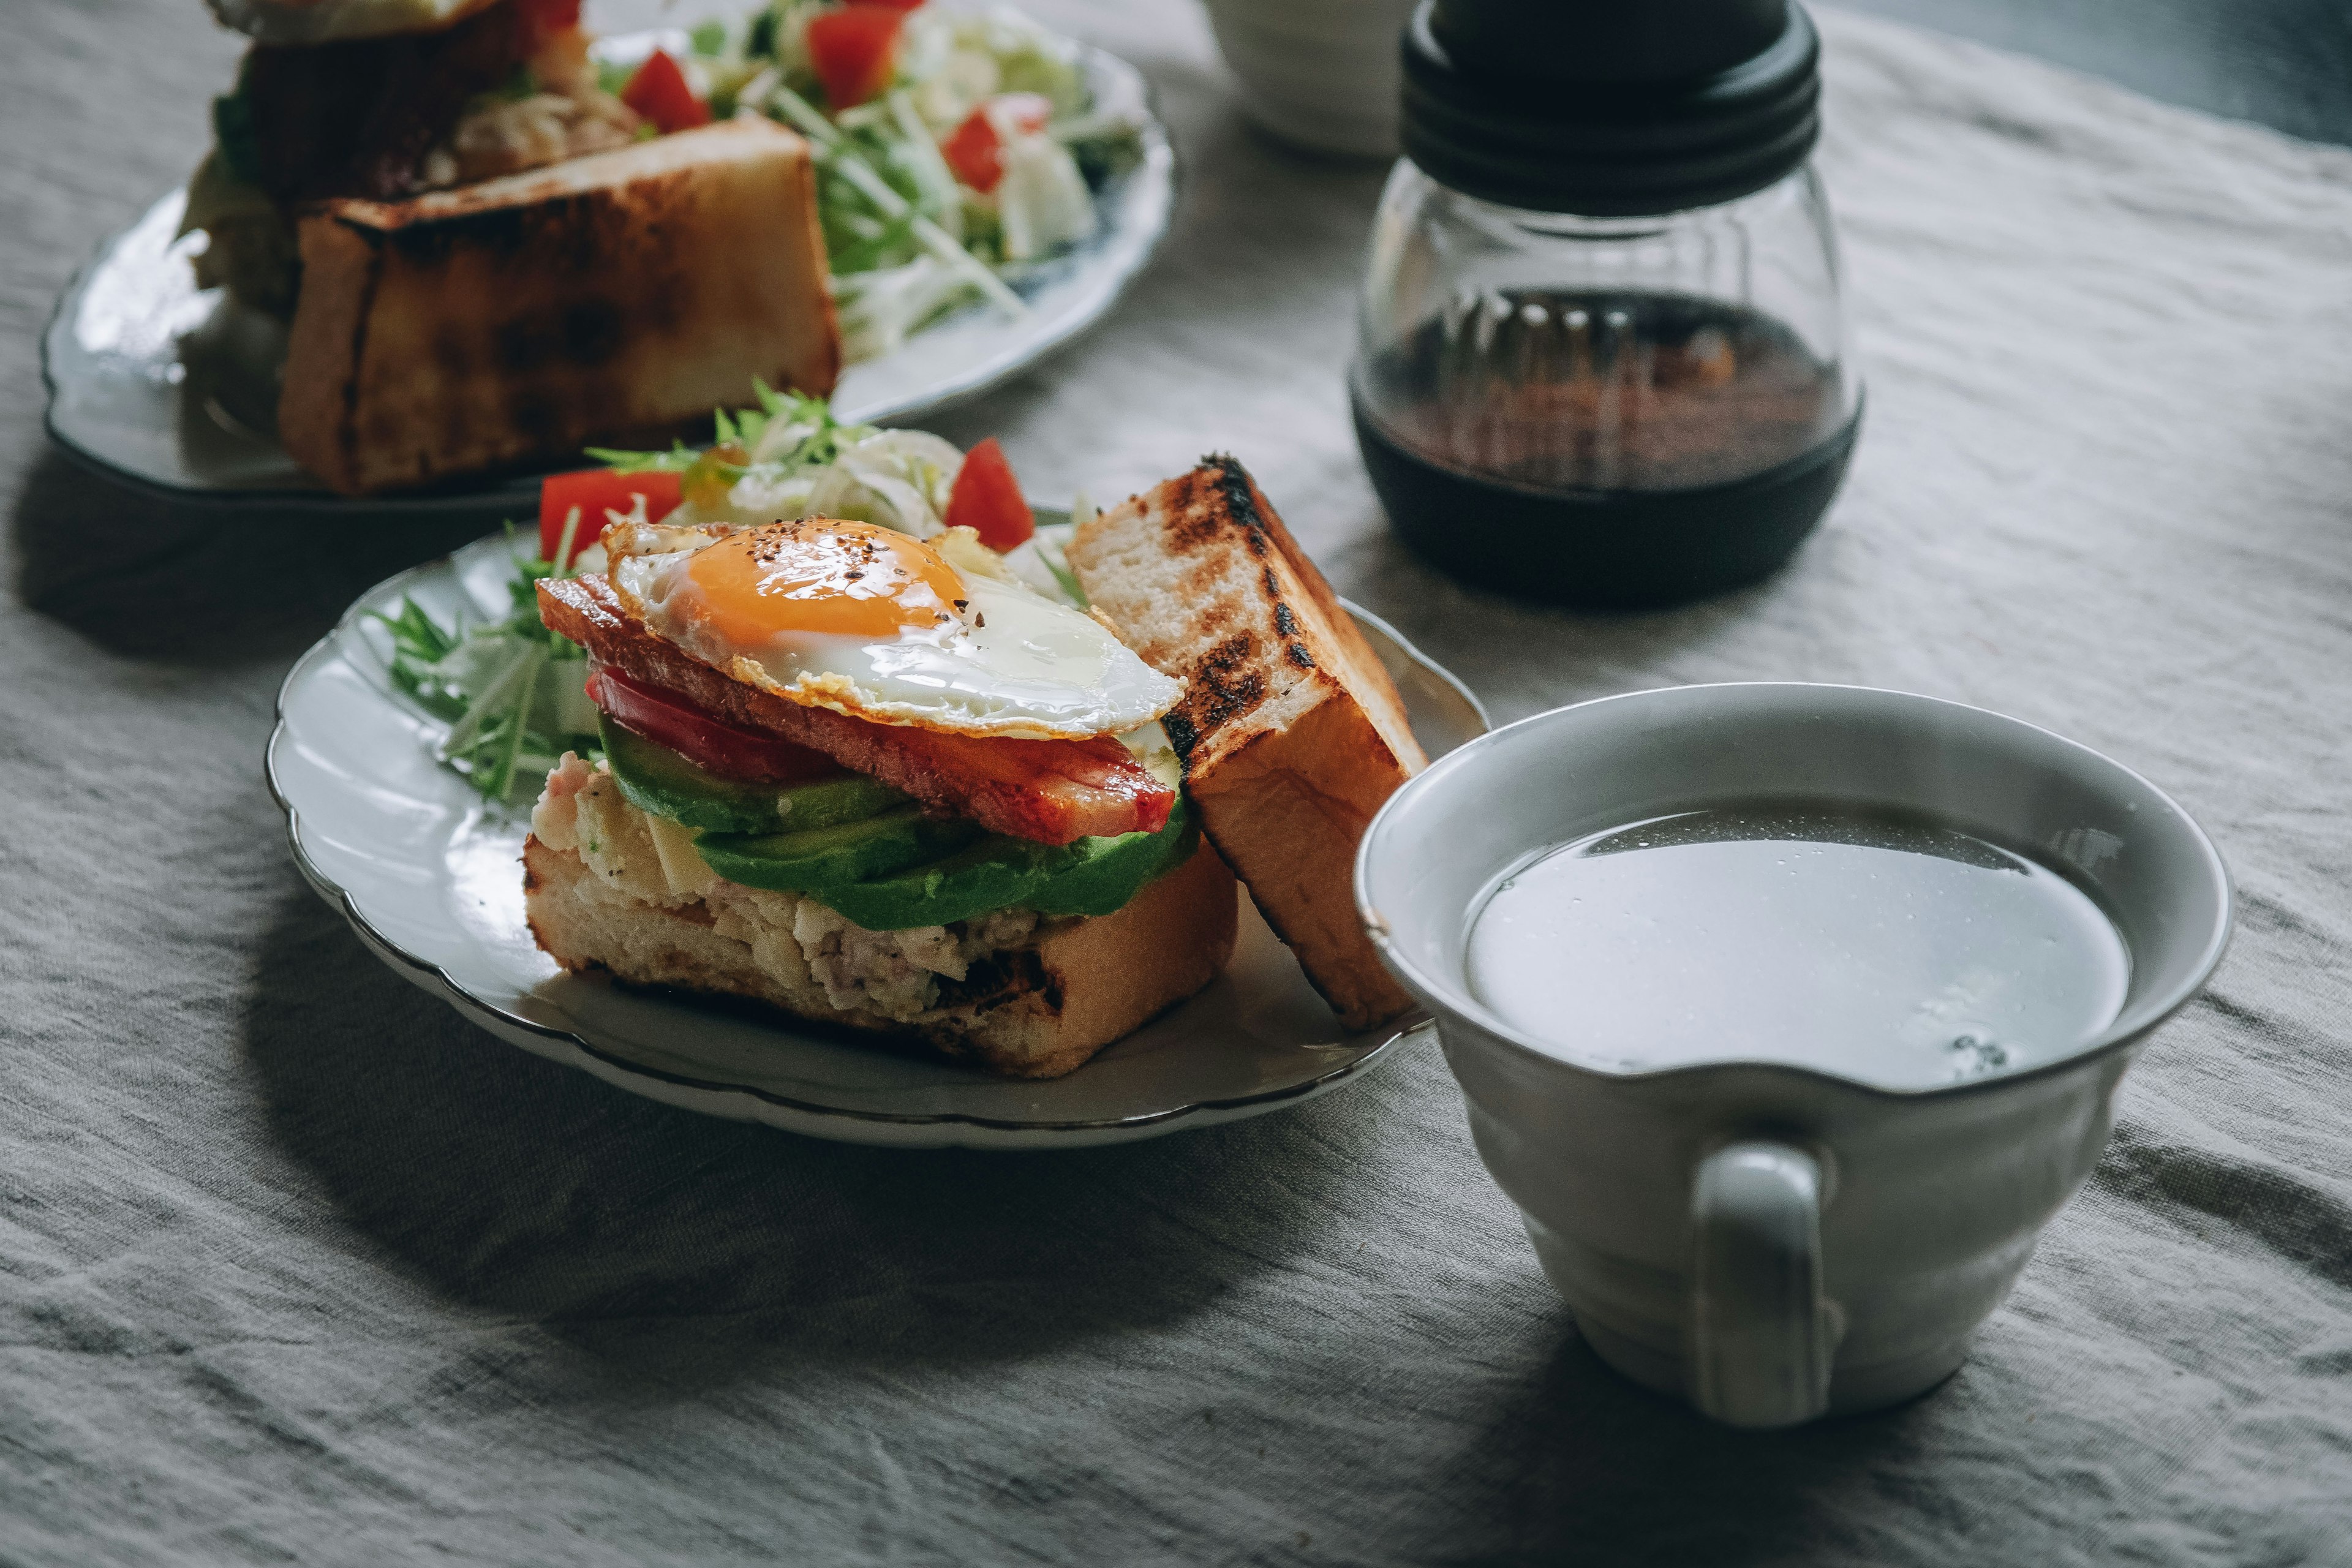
<point x="1010" y="663"/>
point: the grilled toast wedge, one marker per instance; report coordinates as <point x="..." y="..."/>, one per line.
<point x="609" y="297"/>
<point x="1291" y="733"/>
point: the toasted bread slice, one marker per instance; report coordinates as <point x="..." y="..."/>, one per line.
<point x="515" y="320"/>
<point x="1022" y="996"/>
<point x="1291" y="732"/>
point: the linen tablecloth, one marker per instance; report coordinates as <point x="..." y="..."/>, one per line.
<point x="296" y="1265"/>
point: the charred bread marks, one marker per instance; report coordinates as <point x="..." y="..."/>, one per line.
<point x="517" y="320"/>
<point x="1291" y="733"/>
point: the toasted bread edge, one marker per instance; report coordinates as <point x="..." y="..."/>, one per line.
<point x="1099" y="979"/>
<point x="1292" y="732"/>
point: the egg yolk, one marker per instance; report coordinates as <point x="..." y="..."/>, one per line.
<point x="822" y="575"/>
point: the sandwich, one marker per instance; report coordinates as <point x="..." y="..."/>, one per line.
<point x="876" y="782"/>
<point x="486" y="259"/>
<point x="891" y="785"/>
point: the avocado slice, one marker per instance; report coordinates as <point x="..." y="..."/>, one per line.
<point x="867" y="852"/>
<point x="815" y="860"/>
<point x="1089" y="877"/>
<point x="654" y="779"/>
<point x="853" y="798"/>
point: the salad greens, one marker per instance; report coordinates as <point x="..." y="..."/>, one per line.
<point x="791" y="458"/>
<point x="510" y="690"/>
<point x="908" y="235"/>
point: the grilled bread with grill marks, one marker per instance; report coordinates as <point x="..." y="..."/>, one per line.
<point x="1291" y="733"/>
<point x="615" y="297"/>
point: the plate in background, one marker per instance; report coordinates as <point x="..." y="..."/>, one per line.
<point x="429" y="876"/>
<point x="158" y="385"/>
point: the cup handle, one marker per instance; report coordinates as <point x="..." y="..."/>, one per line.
<point x="1761" y="1340"/>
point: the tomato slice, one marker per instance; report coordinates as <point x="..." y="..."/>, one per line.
<point x="855" y="51"/>
<point x="596" y="491"/>
<point x="659" y="91"/>
<point x="987" y="498"/>
<point x="727" y="749"/>
<point x="975" y="149"/>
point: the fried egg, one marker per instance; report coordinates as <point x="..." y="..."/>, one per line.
<point x="877" y="624"/>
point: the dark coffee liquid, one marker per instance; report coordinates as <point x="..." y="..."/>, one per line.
<point x="1607" y="391"/>
<point x="1604" y="448"/>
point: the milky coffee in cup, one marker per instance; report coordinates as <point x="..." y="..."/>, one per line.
<point x="1882" y="948"/>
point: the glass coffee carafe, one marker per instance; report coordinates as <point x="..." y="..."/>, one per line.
<point x="1610" y="407"/>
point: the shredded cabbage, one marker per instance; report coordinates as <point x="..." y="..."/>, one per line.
<point x="910" y="243"/>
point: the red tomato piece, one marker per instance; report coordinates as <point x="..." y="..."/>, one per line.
<point x="545" y="18"/>
<point x="659" y="91"/>
<point x="855" y="51"/>
<point x="894" y="5"/>
<point x="596" y="491"/>
<point x="727" y="749"/>
<point x="975" y="149"/>
<point x="987" y="498"/>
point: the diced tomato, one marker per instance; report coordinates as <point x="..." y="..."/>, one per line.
<point x="544" y="18"/>
<point x="895" y="5"/>
<point x="727" y="749"/>
<point x="596" y="491"/>
<point x="975" y="152"/>
<point x="659" y="91"/>
<point x="855" y="51"/>
<point x="975" y="149"/>
<point x="987" y="498"/>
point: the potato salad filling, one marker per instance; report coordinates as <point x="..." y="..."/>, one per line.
<point x="900" y="975"/>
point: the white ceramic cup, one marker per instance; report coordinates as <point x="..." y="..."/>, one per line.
<point x="1323" y="74"/>
<point x="1770" y="1242"/>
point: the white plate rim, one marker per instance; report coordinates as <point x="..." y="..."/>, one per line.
<point x="746" y="1102"/>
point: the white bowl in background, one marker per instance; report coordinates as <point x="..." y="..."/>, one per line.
<point x="1322" y="74"/>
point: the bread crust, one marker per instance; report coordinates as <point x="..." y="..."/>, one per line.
<point x="1291" y="733"/>
<point x="612" y="297"/>
<point x="291" y="22"/>
<point x="1074" y="988"/>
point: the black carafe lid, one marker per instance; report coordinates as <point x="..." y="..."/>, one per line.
<point x="1609" y="107"/>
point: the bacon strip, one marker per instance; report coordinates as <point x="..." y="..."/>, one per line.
<point x="1048" y="791"/>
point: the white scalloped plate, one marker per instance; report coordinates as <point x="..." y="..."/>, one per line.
<point x="157" y="384"/>
<point x="430" y="878"/>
